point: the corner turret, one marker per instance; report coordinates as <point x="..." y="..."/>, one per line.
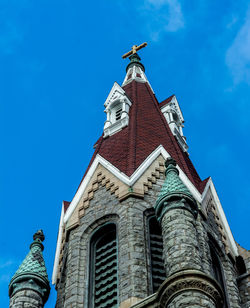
<point x="30" y="283"/>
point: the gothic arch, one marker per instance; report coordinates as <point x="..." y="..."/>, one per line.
<point x="219" y="265"/>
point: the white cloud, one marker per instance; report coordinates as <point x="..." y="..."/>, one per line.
<point x="6" y="264"/>
<point x="8" y="268"/>
<point x="238" y="54"/>
<point x="161" y="16"/>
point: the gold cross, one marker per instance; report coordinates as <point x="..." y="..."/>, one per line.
<point x="134" y="50"/>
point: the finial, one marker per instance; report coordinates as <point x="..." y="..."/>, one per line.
<point x="170" y="165"/>
<point x="134" y="50"/>
<point x="170" y="161"/>
<point x="39" y="235"/>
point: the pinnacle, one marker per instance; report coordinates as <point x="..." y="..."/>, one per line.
<point x="32" y="268"/>
<point x="173" y="187"/>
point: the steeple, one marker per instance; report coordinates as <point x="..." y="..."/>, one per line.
<point x="135" y="69"/>
<point x="165" y="263"/>
<point x="31" y="275"/>
<point x="135" y="60"/>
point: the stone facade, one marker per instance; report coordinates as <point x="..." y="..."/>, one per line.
<point x="186" y="247"/>
<point x="26" y="299"/>
<point x="125" y="185"/>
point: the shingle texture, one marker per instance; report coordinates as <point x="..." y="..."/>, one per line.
<point x="147" y="129"/>
<point x="33" y="263"/>
<point x="173" y="184"/>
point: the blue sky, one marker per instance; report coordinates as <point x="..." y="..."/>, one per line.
<point x="58" y="62"/>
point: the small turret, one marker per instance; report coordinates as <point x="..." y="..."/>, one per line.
<point x="174" y="189"/>
<point x="30" y="283"/>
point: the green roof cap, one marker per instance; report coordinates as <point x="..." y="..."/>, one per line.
<point x="173" y="187"/>
<point x="135" y="60"/>
<point x="32" y="270"/>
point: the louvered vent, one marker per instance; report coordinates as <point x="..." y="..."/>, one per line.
<point x="105" y="268"/>
<point x="156" y="253"/>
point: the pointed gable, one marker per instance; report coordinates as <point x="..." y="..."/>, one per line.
<point x="146" y="130"/>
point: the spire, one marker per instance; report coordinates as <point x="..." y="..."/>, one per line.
<point x="173" y="189"/>
<point x="135" y="69"/>
<point x="32" y="273"/>
<point x="135" y="60"/>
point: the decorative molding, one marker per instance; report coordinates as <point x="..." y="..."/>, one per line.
<point x="136" y="73"/>
<point x="58" y="245"/>
<point x="210" y="201"/>
<point x="130" y="181"/>
<point x="175" y="125"/>
<point x="183" y="203"/>
<point x="104" y="178"/>
<point x="189" y="280"/>
<point x="117" y="99"/>
<point x="125" y="179"/>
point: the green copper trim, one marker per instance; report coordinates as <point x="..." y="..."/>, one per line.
<point x="135" y="60"/>
<point x="32" y="273"/>
<point x="174" y="190"/>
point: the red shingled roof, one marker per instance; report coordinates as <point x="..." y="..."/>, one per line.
<point x="66" y="205"/>
<point x="166" y="101"/>
<point x="147" y="129"/>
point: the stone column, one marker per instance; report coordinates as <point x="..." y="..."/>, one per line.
<point x="26" y="298"/>
<point x="186" y="285"/>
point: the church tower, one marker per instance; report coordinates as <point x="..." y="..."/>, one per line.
<point x="143" y="229"/>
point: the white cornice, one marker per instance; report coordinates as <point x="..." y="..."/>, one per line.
<point x="124" y="178"/>
<point x="116" y="90"/>
<point x="173" y="103"/>
<point x="130" y="181"/>
<point x="58" y="244"/>
<point x="222" y="215"/>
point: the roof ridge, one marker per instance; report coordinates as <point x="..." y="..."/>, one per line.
<point x="132" y="130"/>
<point x="179" y="152"/>
<point x="172" y="138"/>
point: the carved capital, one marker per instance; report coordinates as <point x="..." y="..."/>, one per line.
<point x="189" y="280"/>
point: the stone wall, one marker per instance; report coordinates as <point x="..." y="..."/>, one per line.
<point x="134" y="281"/>
<point x="26" y="298"/>
<point x="244" y="277"/>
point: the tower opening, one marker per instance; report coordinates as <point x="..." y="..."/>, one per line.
<point x="103" y="284"/>
<point x="158" y="274"/>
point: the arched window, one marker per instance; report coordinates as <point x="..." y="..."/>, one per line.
<point x="158" y="274"/>
<point x="103" y="291"/>
<point x="217" y="270"/>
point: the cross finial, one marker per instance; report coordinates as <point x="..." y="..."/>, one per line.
<point x="135" y="48"/>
